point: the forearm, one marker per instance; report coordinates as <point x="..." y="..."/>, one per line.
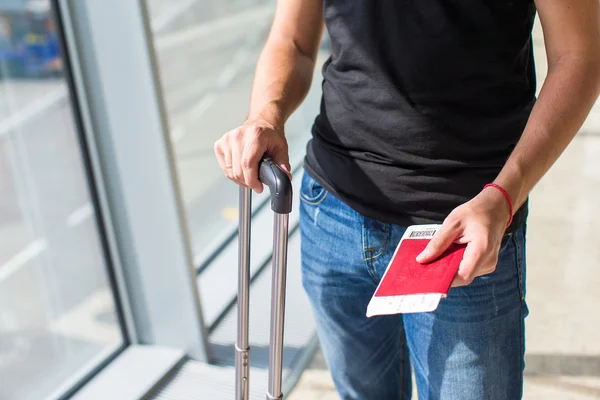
<point x="570" y="90"/>
<point x="282" y="80"/>
<point x="568" y="94"/>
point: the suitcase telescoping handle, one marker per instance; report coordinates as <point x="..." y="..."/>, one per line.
<point x="280" y="187"/>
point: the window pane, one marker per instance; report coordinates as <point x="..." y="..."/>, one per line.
<point x="58" y="315"/>
<point x="207" y="53"/>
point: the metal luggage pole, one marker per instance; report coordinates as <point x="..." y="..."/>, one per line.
<point x="280" y="187"/>
<point x="277" y="305"/>
<point x="242" y="347"/>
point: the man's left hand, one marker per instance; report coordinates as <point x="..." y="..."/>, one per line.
<point x="480" y="224"/>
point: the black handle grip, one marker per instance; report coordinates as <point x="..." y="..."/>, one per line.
<point x="279" y="184"/>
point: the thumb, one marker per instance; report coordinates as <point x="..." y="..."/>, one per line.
<point x="437" y="245"/>
<point x="281" y="158"/>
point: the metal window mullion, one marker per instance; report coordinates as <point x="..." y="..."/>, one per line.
<point x="77" y="90"/>
<point x="128" y="137"/>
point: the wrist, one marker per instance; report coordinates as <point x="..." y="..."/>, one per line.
<point x="270" y="115"/>
<point x="501" y="202"/>
<point x="511" y="179"/>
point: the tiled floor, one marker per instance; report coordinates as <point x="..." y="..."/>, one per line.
<point x="563" y="346"/>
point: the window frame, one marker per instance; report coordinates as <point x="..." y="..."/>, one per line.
<point x="137" y="244"/>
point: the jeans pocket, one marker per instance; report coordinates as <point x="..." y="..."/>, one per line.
<point x="489" y="296"/>
<point x="311" y="191"/>
<point x="376" y="238"/>
<point x="520" y="260"/>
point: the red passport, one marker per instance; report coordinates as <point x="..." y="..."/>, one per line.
<point x="408" y="286"/>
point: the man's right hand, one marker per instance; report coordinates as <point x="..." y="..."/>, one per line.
<point x="240" y="151"/>
<point x="283" y="77"/>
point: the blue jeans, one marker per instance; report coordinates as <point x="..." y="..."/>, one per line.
<point x="471" y="348"/>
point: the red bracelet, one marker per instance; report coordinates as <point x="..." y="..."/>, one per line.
<point x="510" y="205"/>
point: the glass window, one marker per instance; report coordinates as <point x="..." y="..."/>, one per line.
<point x="207" y="53"/>
<point x="58" y="314"/>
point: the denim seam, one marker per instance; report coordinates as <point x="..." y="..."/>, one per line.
<point x="313" y="203"/>
<point x="383" y="248"/>
<point x="367" y="260"/>
<point x="519" y="264"/>
<point x="522" y="347"/>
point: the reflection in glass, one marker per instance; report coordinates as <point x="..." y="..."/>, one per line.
<point x="207" y="53"/>
<point x="58" y="316"/>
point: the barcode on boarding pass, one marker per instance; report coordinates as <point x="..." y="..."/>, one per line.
<point x="422" y="234"/>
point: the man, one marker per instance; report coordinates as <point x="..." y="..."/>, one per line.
<point x="425" y="102"/>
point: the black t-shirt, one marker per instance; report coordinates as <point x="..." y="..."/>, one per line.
<point x="423" y="102"/>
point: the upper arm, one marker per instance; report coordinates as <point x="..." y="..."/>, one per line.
<point x="300" y="23"/>
<point x="571" y="27"/>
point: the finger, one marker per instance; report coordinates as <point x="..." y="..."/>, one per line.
<point x="439" y="243"/>
<point x="458" y="282"/>
<point x="486" y="267"/>
<point x="226" y="163"/>
<point x="220" y="154"/>
<point x="281" y="157"/>
<point x="223" y="157"/>
<point x="250" y="161"/>
<point x="472" y="257"/>
<point x="286" y="168"/>
<point x="235" y="161"/>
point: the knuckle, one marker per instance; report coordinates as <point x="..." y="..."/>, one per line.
<point x="218" y="146"/>
<point x="236" y="134"/>
<point x="254" y="130"/>
<point x="452" y="218"/>
<point x="453" y="222"/>
<point x="465" y="276"/>
<point x="246" y="162"/>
